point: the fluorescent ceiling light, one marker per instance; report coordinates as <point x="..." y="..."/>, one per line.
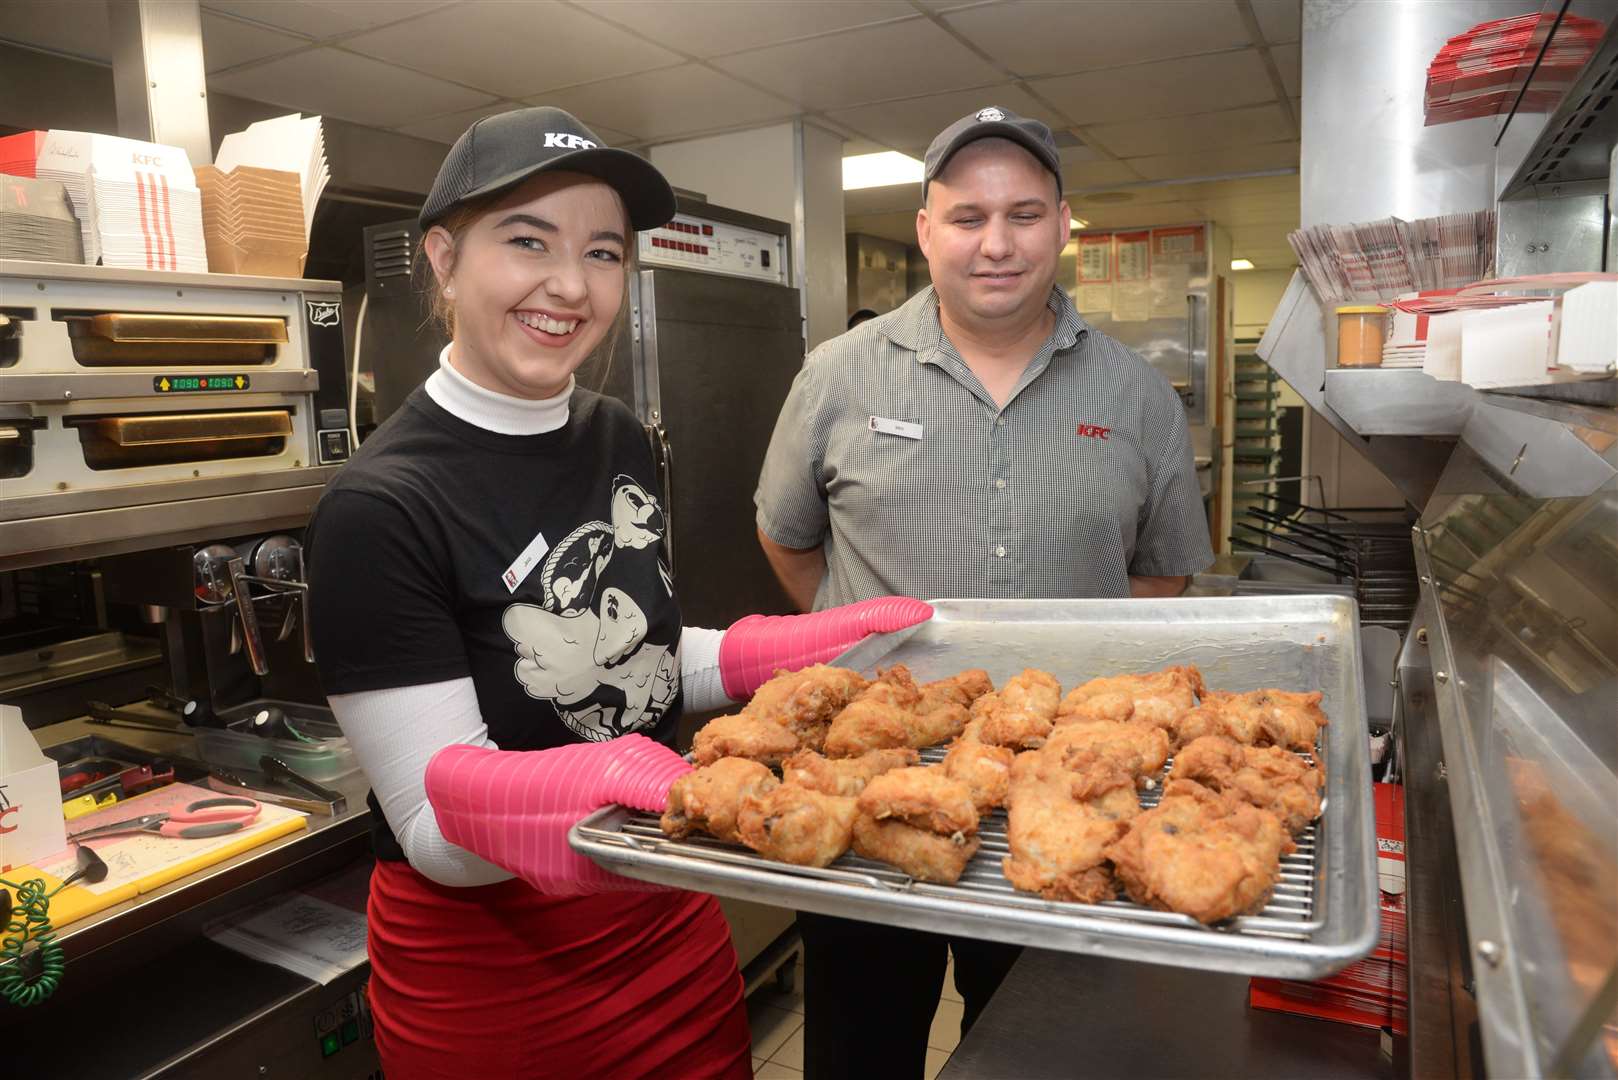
<point x="880" y="170"/>
<point x="1241" y="264"/>
<point x="1080" y="223"/>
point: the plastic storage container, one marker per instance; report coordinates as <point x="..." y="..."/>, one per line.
<point x="236" y="746"/>
<point x="1361" y="330"/>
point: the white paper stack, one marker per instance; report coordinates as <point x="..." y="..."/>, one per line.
<point x="1508" y="346"/>
<point x="1588" y="339"/>
<point x="292" y="143"/>
<point x="137" y="202"/>
<point x="1442" y="359"/>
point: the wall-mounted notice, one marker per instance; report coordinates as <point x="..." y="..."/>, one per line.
<point x="1131" y="299"/>
<point x="1176" y="254"/>
<point x="1094" y="293"/>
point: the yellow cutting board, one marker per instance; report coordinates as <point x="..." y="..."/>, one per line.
<point x="141" y="862"/>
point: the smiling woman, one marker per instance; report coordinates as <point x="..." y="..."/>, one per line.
<point x="530" y="282"/>
<point x="499" y="637"/>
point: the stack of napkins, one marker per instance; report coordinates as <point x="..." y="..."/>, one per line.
<point x="1480" y="72"/>
<point x="37" y="221"/>
<point x="19" y="152"/>
<point x="253" y="221"/>
<point x="294" y="144"/>
<point x="137" y="202"/>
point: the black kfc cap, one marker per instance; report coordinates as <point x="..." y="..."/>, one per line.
<point x="499" y="152"/>
<point x="1031" y="135"/>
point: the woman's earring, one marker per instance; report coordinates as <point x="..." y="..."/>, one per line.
<point x="449" y="290"/>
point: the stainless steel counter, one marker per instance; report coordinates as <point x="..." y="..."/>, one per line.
<point x="1066" y="1016"/>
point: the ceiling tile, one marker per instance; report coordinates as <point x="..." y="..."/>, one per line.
<point x="911" y="125"/>
<point x="1218" y="161"/>
<point x="1168" y="88"/>
<point x="446" y="129"/>
<point x="856" y="146"/>
<point x="323" y="20"/>
<point x="491" y="45"/>
<point x="40" y="23"/>
<point x="871" y="64"/>
<point x="1264" y="123"/>
<point x="1092" y="174"/>
<point x="331" y="82"/>
<point x="706" y="28"/>
<point x="229" y="42"/>
<point x="1278" y="20"/>
<point x="670" y="102"/>
<point x="1289" y="58"/>
<point x="1036" y="37"/>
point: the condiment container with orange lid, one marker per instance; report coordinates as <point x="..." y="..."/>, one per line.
<point x="1361" y="330"/>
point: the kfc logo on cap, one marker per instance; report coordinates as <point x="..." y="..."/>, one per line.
<point x="567" y="141"/>
<point x="991" y="114"/>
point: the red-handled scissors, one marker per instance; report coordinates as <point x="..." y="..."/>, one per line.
<point x="195" y="821"/>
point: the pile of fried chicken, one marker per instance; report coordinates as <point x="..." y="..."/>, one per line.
<point x="1068" y="771"/>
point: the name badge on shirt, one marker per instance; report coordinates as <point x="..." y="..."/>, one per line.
<point x="518" y="571"/>
<point x="895" y="427"/>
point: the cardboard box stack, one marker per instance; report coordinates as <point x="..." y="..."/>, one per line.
<point x="253" y="222"/>
<point x="137" y="202"/>
<point x="37" y="221"/>
<point x="19" y="152"/>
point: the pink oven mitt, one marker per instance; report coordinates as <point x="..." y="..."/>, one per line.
<point x="754" y="648"/>
<point x="514" y="808"/>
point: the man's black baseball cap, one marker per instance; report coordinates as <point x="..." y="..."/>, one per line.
<point x="499" y="152"/>
<point x="1031" y="135"/>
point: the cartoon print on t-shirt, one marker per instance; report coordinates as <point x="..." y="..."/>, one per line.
<point x="586" y="650"/>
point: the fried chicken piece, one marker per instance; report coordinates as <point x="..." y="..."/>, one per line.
<point x="1256" y="718"/>
<point x="1200" y="853"/>
<point x="938" y="725"/>
<point x="708" y="799"/>
<point x="985" y="770"/>
<point x="842" y="776"/>
<point x="1267" y="777"/>
<point x="793" y="824"/>
<point x="868" y="725"/>
<point x="743" y="735"/>
<point x="1138" y="748"/>
<point x="1060" y="823"/>
<point x="805" y="701"/>
<point x="872" y="724"/>
<point x="925" y="797"/>
<point x="961" y="689"/>
<point x="924" y="855"/>
<point x="1018" y="716"/>
<point x="1160" y="697"/>
<point x="892" y="686"/>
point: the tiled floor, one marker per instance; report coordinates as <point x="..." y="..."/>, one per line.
<point x="777" y="1021"/>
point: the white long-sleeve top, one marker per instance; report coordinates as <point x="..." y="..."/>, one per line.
<point x="396" y="732"/>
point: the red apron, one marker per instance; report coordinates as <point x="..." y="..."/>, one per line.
<point x="502" y="981"/>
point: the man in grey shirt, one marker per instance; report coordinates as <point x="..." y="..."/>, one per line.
<point x="980" y="441"/>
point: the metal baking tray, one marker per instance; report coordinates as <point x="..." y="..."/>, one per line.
<point x="1323" y="914"/>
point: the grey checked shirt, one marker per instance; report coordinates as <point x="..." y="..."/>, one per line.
<point x="1084" y="478"/>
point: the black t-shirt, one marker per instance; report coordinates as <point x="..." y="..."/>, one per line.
<point x="532" y="563"/>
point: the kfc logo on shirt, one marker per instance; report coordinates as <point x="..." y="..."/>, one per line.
<point x="570" y="142"/>
<point x="1093" y="431"/>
